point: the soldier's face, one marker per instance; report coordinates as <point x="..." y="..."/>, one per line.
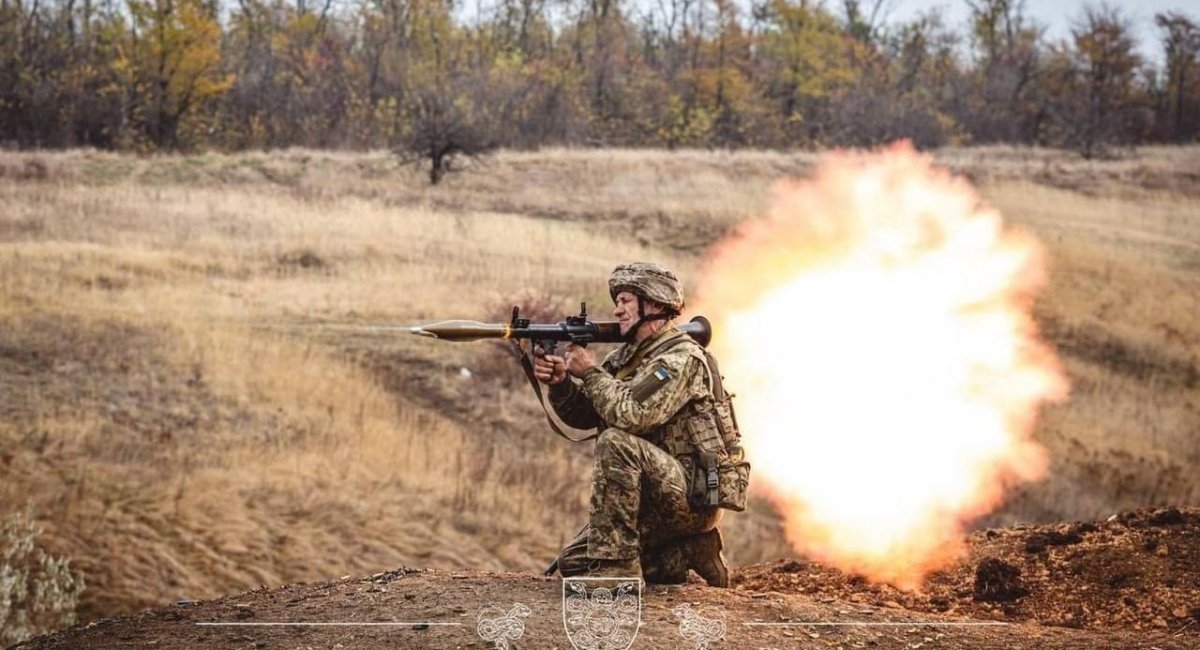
<point x="626" y="310"/>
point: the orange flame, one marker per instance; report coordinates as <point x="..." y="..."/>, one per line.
<point x="876" y="326"/>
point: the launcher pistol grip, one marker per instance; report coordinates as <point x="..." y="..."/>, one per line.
<point x="546" y="347"/>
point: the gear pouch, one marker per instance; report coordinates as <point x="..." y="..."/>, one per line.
<point x="727" y="422"/>
<point x="705" y="434"/>
<point x="733" y="481"/>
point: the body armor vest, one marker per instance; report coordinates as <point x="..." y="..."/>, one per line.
<point x="703" y="436"/>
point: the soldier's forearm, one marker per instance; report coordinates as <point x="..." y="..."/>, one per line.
<point x="572" y="405"/>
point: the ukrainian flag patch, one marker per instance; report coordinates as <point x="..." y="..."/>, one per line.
<point x="649" y="384"/>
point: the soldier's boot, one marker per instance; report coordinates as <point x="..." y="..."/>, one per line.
<point x="702" y="554"/>
<point x="669" y="564"/>
<point x="631" y="568"/>
<point x="665" y="565"/>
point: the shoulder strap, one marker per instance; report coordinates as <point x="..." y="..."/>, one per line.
<point x="714" y="374"/>
<point x="706" y="359"/>
<point x="665" y="344"/>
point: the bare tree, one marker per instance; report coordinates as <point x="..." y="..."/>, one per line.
<point x="1181" y="45"/>
<point x="447" y="123"/>
<point x="1102" y="110"/>
<point x="1008" y="55"/>
<point x="865" y="23"/>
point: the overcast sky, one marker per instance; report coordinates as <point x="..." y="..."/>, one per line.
<point x="1057" y="15"/>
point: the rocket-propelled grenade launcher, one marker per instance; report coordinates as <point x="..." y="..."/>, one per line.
<point x="546" y="336"/>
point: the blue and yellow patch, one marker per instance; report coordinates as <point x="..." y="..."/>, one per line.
<point x="649" y="385"/>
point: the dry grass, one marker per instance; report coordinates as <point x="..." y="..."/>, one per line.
<point x="188" y="423"/>
<point x="186" y="388"/>
<point x="1123" y="308"/>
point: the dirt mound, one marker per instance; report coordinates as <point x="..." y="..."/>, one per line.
<point x="1137" y="571"/>
<point x="1130" y="582"/>
<point x="411" y="608"/>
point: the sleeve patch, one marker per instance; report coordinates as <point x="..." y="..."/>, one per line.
<point x="649" y="385"/>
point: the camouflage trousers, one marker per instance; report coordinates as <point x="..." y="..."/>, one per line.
<point x="639" y="508"/>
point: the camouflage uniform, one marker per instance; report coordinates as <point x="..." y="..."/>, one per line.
<point x="639" y="503"/>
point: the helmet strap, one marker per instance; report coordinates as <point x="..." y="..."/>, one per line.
<point x="665" y="314"/>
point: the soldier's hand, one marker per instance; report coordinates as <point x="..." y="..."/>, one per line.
<point x="551" y="369"/>
<point x="579" y="359"/>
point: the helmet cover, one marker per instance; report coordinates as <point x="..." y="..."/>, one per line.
<point x="650" y="281"/>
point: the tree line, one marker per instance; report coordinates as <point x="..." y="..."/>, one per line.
<point x="430" y="75"/>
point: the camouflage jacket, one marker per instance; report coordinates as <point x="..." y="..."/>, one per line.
<point x="635" y="391"/>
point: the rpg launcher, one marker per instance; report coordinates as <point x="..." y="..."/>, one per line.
<point x="546" y="336"/>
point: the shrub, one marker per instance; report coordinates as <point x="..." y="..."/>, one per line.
<point x="25" y="169"/>
<point x="38" y="592"/>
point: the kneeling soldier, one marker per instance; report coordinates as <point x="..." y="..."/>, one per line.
<point x="668" y="456"/>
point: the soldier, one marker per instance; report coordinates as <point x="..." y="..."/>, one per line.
<point x="655" y="505"/>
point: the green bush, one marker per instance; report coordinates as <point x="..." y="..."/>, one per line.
<point x="38" y="592"/>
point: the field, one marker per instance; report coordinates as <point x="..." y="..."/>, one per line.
<point x="188" y="415"/>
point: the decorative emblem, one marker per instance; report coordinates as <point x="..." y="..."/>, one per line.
<point x="602" y="613"/>
<point x="702" y="626"/>
<point x="500" y="627"/>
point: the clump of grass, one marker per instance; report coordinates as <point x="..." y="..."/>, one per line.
<point x="38" y="591"/>
<point x="26" y="169"/>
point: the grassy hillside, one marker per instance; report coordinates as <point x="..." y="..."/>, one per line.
<point x="188" y="418"/>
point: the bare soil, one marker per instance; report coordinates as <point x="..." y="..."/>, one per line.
<point x="1137" y="571"/>
<point x="1130" y="582"/>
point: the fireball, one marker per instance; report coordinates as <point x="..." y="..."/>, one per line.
<point x="876" y="327"/>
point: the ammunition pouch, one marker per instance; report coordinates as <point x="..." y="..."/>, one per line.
<point x="716" y="477"/>
<point x="713" y="483"/>
<point x="734" y="478"/>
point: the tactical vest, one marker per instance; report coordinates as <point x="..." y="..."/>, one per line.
<point x="703" y="436"/>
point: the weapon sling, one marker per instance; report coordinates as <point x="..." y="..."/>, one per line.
<point x="527" y="366"/>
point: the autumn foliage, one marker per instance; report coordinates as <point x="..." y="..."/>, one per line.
<point x="168" y="74"/>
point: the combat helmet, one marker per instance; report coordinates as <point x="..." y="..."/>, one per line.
<point x="649" y="281"/>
